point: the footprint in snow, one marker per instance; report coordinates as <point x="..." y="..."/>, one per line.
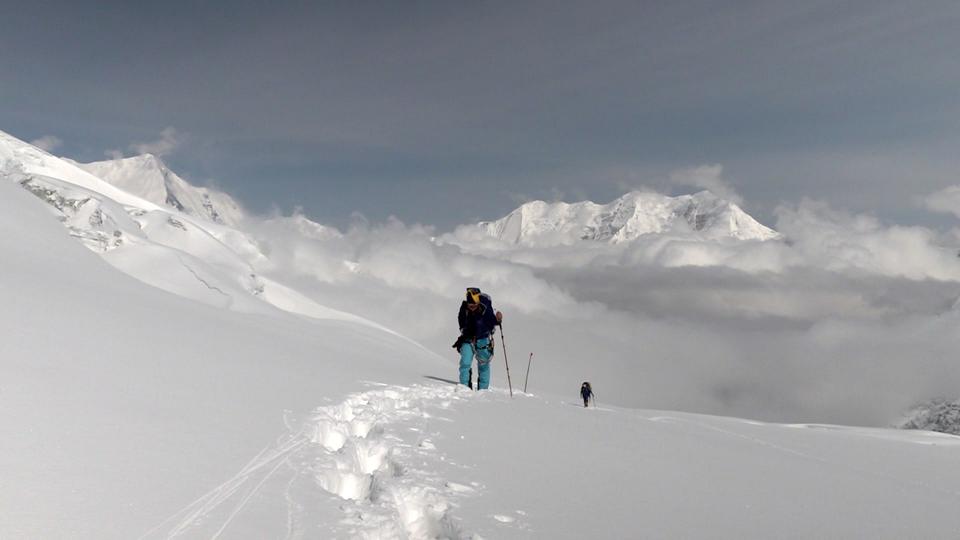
<point x="363" y="464"/>
<point x="459" y="488"/>
<point x="355" y="451"/>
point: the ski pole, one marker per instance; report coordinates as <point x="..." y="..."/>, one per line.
<point x="504" y="342"/>
<point x="527" y="378"/>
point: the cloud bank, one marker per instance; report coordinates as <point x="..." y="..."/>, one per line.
<point x="844" y="320"/>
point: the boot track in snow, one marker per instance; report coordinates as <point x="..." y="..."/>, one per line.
<point x="354" y="451"/>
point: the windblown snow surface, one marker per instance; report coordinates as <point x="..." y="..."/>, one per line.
<point x="131" y="412"/>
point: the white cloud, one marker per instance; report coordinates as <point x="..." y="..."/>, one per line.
<point x="779" y="330"/>
<point x="946" y="201"/>
<point x="47" y="142"/>
<point x="168" y="142"/>
<point x="709" y="177"/>
<point x="829" y="239"/>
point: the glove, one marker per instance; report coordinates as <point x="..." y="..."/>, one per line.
<point x="499" y="317"/>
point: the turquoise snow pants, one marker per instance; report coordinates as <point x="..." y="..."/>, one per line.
<point x="483" y="363"/>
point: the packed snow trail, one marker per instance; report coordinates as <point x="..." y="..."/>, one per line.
<point x="360" y="452"/>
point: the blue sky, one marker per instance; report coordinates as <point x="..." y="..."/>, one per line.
<point x="448" y="112"/>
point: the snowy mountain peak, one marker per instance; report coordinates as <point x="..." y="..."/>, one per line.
<point x="625" y="219"/>
<point x="147" y="162"/>
<point x="194" y="256"/>
<point x="149" y="177"/>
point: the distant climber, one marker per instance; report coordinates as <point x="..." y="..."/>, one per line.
<point x="586" y="393"/>
<point x="478" y="321"/>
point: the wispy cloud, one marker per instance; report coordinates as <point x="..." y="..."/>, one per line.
<point x="709" y="177"/>
<point x="168" y="141"/>
<point x="47" y="142"/>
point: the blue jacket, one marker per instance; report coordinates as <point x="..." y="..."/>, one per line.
<point x="479" y="323"/>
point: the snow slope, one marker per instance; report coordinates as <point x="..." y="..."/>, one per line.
<point x="701" y="215"/>
<point x="120" y="401"/>
<point x="427" y="461"/>
<point x="130" y="412"/>
<point x="552" y="469"/>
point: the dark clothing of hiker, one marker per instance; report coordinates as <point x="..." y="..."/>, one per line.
<point x="586" y="393"/>
<point x="478" y="322"/>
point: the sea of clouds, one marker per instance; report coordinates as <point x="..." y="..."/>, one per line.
<point x="844" y="319"/>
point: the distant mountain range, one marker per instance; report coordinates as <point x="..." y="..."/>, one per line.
<point x="701" y="215"/>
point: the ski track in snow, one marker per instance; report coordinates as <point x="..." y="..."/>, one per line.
<point x="355" y="451"/>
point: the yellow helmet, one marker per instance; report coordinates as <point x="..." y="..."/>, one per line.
<point x="473" y="295"/>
